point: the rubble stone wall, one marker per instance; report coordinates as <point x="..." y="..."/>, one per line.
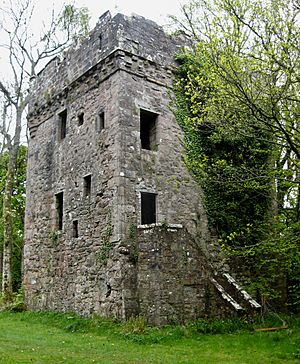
<point x="98" y="262"/>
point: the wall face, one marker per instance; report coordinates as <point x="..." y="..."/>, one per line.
<point x="173" y="277"/>
<point x="97" y="262"/>
<point x="62" y="271"/>
<point x="158" y="171"/>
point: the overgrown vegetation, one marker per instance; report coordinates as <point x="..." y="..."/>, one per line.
<point x="68" y="338"/>
<point x="237" y="101"/>
<point x="107" y="245"/>
<point x="13" y="302"/>
<point x="18" y="210"/>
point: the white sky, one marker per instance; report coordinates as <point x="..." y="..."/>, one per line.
<point x="156" y="10"/>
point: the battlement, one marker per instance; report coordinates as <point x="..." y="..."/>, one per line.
<point x="136" y="36"/>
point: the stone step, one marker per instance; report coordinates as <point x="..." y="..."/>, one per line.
<point x="233" y="293"/>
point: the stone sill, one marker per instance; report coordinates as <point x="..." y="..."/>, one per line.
<point x="168" y="226"/>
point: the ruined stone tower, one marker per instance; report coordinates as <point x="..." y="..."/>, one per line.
<point x="112" y="214"/>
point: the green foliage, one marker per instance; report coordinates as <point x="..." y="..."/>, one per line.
<point x="222" y="326"/>
<point x="18" y="209"/>
<point x="75" y="21"/>
<point x="135" y="325"/>
<point x="69" y="338"/>
<point x="54" y="236"/>
<point x="12" y="302"/>
<point x="227" y="154"/>
<point x="107" y="245"/>
<point x="236" y="99"/>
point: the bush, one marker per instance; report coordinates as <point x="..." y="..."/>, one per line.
<point x="222" y="326"/>
<point x="12" y="302"/>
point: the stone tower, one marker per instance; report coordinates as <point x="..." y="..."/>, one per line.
<point x="111" y="212"/>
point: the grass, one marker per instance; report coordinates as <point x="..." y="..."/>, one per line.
<point x="27" y="337"/>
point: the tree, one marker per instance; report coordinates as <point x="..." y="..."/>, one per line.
<point x="238" y="101"/>
<point x="26" y="54"/>
<point x="18" y="208"/>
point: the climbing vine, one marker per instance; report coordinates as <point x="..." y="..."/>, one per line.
<point x="237" y="101"/>
<point x="231" y="156"/>
<point x="107" y="245"/>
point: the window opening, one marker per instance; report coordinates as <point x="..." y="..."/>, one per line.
<point x="100" y="41"/>
<point x="80" y="118"/>
<point x="148" y="208"/>
<point x="87" y="184"/>
<point x="100" y="122"/>
<point x="62" y="124"/>
<point x="59" y="197"/>
<point x="148" y="121"/>
<point x="75" y="229"/>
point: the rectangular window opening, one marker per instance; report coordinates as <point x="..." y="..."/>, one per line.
<point x="59" y="202"/>
<point x="62" y="124"/>
<point x="100" y="122"/>
<point x="148" y="208"/>
<point x="148" y="121"/>
<point x="75" y="228"/>
<point x="87" y="185"/>
<point x="80" y="119"/>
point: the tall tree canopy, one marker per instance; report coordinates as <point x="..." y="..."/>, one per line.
<point x="238" y="101"/>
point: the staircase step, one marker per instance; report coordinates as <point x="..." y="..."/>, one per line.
<point x="243" y="293"/>
<point x="226" y="296"/>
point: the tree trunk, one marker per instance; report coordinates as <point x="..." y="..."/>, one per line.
<point x="7" y="231"/>
<point x="8" y="210"/>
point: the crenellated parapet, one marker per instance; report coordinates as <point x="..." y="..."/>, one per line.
<point x="134" y="44"/>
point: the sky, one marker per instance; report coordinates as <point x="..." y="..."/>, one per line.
<point x="156" y="10"/>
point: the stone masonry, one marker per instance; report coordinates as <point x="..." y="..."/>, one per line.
<point x="114" y="222"/>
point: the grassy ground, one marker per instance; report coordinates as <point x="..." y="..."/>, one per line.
<point x="66" y="338"/>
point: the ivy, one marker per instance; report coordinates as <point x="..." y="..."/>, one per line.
<point x="229" y="159"/>
<point x="107" y="245"/>
<point x="244" y="174"/>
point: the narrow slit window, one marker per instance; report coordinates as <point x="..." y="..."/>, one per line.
<point x="80" y="119"/>
<point x="59" y="201"/>
<point x="62" y="127"/>
<point x="87" y="185"/>
<point x="100" y="41"/>
<point x="148" y="124"/>
<point x="75" y="229"/>
<point x="148" y="208"/>
<point x="100" y="122"/>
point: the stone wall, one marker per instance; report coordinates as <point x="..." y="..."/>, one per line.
<point x="55" y="259"/>
<point x="173" y="277"/>
<point x="98" y="261"/>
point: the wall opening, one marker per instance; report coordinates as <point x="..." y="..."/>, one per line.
<point x="62" y="127"/>
<point x="75" y="229"/>
<point x="59" y="204"/>
<point x="100" y="122"/>
<point x="148" y="121"/>
<point x="148" y="208"/>
<point x="80" y="119"/>
<point x="87" y="185"/>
